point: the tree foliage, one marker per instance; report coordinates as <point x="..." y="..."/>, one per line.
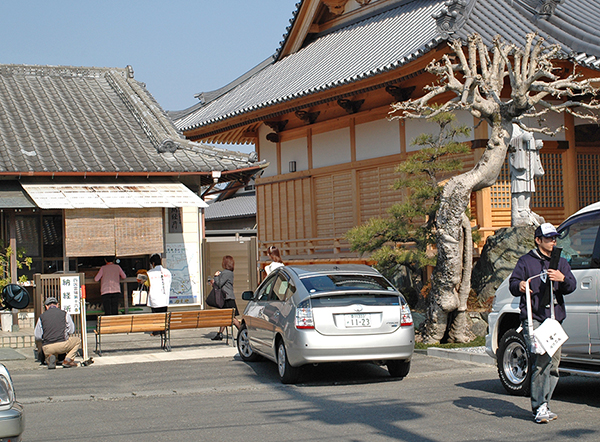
<point x="6" y="252"/>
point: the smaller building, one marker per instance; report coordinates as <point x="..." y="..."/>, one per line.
<point x="91" y="166"/>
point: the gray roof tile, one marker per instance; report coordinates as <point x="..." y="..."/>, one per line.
<point x="392" y="38"/>
<point x="74" y="119"/>
<point x="361" y="50"/>
<point x="238" y="206"/>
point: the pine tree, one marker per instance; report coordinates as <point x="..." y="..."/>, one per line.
<point x="404" y="237"/>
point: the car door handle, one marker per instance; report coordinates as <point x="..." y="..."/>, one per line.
<point x="586" y="283"/>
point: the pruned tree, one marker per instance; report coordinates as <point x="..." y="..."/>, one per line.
<point x="406" y="235"/>
<point x="476" y="76"/>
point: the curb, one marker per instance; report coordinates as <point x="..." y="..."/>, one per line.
<point x="479" y="358"/>
<point x="228" y="352"/>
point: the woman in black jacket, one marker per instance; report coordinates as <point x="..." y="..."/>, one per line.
<point x="224" y="280"/>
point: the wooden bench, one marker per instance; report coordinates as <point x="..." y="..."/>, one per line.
<point x="145" y="322"/>
<point x="180" y="320"/>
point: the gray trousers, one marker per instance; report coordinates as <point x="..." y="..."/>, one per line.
<point x="544" y="372"/>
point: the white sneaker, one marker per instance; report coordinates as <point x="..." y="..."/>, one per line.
<point x="551" y="416"/>
<point x="542" y="416"/>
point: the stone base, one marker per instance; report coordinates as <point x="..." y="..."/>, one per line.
<point x="22" y="339"/>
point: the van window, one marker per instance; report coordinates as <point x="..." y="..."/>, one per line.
<point x="578" y="241"/>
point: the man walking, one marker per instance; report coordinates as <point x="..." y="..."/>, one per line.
<point x="54" y="328"/>
<point x="544" y="376"/>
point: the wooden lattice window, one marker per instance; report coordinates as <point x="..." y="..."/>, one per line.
<point x="500" y="192"/>
<point x="588" y="170"/>
<point x="549" y="188"/>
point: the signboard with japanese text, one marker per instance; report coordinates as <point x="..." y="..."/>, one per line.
<point x="70" y="294"/>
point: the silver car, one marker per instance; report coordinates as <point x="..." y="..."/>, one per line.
<point x="326" y="313"/>
<point x="12" y="422"/>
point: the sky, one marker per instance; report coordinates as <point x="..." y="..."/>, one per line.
<point x="177" y="47"/>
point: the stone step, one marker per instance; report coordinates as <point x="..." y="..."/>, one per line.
<point x="21" y="339"/>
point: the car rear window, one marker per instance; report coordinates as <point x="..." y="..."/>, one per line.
<point x="327" y="283"/>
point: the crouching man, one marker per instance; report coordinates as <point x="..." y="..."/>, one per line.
<point x="54" y="328"/>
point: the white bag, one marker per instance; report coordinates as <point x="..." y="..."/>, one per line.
<point x="139" y="297"/>
<point x="550" y="336"/>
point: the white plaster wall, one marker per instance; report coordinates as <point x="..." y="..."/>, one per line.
<point x="466" y="119"/>
<point x="294" y="150"/>
<point x="579" y="121"/>
<point x="331" y="148"/>
<point x="377" y="139"/>
<point x="268" y="151"/>
<point x="182" y="253"/>
<point x="414" y="128"/>
<point x="552" y="121"/>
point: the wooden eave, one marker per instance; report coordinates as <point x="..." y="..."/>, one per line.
<point x="243" y="128"/>
<point x="301" y="28"/>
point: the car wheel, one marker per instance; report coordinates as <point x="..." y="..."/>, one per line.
<point x="287" y="373"/>
<point x="243" y="345"/>
<point x="514" y="364"/>
<point x="398" y="369"/>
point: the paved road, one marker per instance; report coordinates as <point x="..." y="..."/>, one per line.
<point x="225" y="399"/>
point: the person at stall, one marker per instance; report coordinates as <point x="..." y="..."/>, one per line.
<point x="109" y="276"/>
<point x="54" y="329"/>
<point x="160" y="287"/>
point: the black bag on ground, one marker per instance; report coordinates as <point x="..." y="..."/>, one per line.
<point x="215" y="298"/>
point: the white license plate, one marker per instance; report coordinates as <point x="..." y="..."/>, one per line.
<point x="358" y="320"/>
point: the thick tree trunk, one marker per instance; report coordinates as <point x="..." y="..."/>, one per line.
<point x="451" y="280"/>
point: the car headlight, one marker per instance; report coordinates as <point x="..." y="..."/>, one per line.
<point x="7" y="392"/>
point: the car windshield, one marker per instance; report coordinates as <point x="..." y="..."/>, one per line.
<point x="328" y="283"/>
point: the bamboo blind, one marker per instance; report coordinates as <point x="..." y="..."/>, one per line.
<point x="139" y="231"/>
<point x="116" y="232"/>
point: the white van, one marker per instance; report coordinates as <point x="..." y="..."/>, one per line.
<point x="580" y="240"/>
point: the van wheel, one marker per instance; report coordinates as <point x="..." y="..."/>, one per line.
<point x="514" y="363"/>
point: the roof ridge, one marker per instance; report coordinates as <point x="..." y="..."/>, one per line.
<point x="58" y="71"/>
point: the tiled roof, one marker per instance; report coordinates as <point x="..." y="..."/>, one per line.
<point x="361" y="50"/>
<point x="61" y="119"/>
<point x="238" y="206"/>
<point x="395" y="36"/>
<point x="12" y="196"/>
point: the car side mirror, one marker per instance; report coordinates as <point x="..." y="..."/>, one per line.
<point x="248" y="295"/>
